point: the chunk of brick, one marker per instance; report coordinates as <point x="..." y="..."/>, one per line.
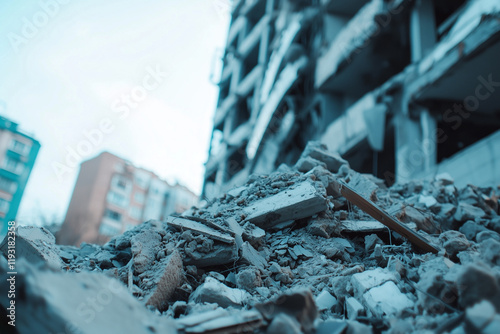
<point x="170" y="279"/>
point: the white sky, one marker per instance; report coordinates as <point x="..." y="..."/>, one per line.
<point x="61" y="79"/>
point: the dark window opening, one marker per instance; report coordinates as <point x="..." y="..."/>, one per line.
<point x="250" y="61"/>
<point x="243" y="110"/>
<point x="236" y="162"/>
<point x="112" y="215"/>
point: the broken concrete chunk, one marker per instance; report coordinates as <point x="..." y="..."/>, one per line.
<point x="171" y="277"/>
<point x="386" y="300"/>
<point x="241" y="322"/>
<point x="428" y="201"/>
<point x="186" y="224"/>
<point x="35" y="244"/>
<point x="83" y="302"/>
<point x="320" y="152"/>
<point x="480" y="315"/>
<point x="237" y="230"/>
<point x="219" y="255"/>
<point x="284" y="324"/>
<point x="252" y="257"/>
<point x="253" y="234"/>
<point x="145" y="246"/>
<point x="371" y="241"/>
<point x="476" y="283"/>
<point x="325" y="301"/>
<point x="368" y="279"/>
<point x="454" y="242"/>
<point x="213" y="291"/>
<point x="248" y="279"/>
<point x="363" y="226"/>
<point x="470" y="229"/>
<point x="468" y="212"/>
<point x="199" y="318"/>
<point x="301" y="251"/>
<point x="424" y="220"/>
<point x="354" y="308"/>
<point x="298" y="304"/>
<point x="363" y="185"/>
<point x="331" y="326"/>
<point x="305" y="164"/>
<point x="304" y="200"/>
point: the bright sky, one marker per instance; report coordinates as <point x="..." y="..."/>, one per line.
<point x="133" y="75"/>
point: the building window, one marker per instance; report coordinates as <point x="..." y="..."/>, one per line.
<point x="135" y="212"/>
<point x="141" y="182"/>
<point x="19" y="147"/>
<point x="108" y="229"/>
<point x="13" y="165"/>
<point x="4" y="205"/>
<point x="117" y="199"/>
<point x="139" y="198"/>
<point x="112" y="215"/>
<point x="7" y="185"/>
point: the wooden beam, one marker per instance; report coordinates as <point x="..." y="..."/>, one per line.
<point x="377" y="213"/>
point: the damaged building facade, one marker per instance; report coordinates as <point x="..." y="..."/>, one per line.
<point x="401" y="89"/>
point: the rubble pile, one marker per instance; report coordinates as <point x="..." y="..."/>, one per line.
<point x="284" y="253"/>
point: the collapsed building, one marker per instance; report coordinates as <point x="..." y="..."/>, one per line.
<point x="293" y="237"/>
<point x="307" y="249"/>
<point x="401" y="89"/>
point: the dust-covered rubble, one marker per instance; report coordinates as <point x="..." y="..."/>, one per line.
<point x="284" y="253"/>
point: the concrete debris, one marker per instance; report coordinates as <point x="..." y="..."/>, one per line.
<point x="213" y="291"/>
<point x="325" y="301"/>
<point x="386" y="300"/>
<point x="353" y="308"/>
<point x="282" y="253"/>
<point x="301" y="201"/>
<point x="170" y="279"/>
<point x="36" y="245"/>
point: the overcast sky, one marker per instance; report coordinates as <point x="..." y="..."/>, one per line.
<point x="131" y="75"/>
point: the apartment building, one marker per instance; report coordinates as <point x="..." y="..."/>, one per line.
<point x="112" y="195"/>
<point x="18" y="152"/>
<point x="402" y="89"/>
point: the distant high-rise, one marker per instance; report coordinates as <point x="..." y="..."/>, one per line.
<point x="401" y="89"/>
<point x="111" y="195"/>
<point x="18" y="152"/>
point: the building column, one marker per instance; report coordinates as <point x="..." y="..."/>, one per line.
<point x="415" y="145"/>
<point x="416" y="142"/>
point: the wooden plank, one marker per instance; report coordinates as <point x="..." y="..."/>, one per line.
<point x="185" y="224"/>
<point x="377" y="213"/>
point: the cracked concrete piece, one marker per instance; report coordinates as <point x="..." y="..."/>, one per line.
<point x="354" y="308"/>
<point x="169" y="280"/>
<point x="213" y="291"/>
<point x="144" y="248"/>
<point x="250" y="256"/>
<point x="325" y="301"/>
<point x="386" y="300"/>
<point x="35" y="244"/>
<point x="84" y="303"/>
<point x="304" y="200"/>
<point x="368" y="279"/>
